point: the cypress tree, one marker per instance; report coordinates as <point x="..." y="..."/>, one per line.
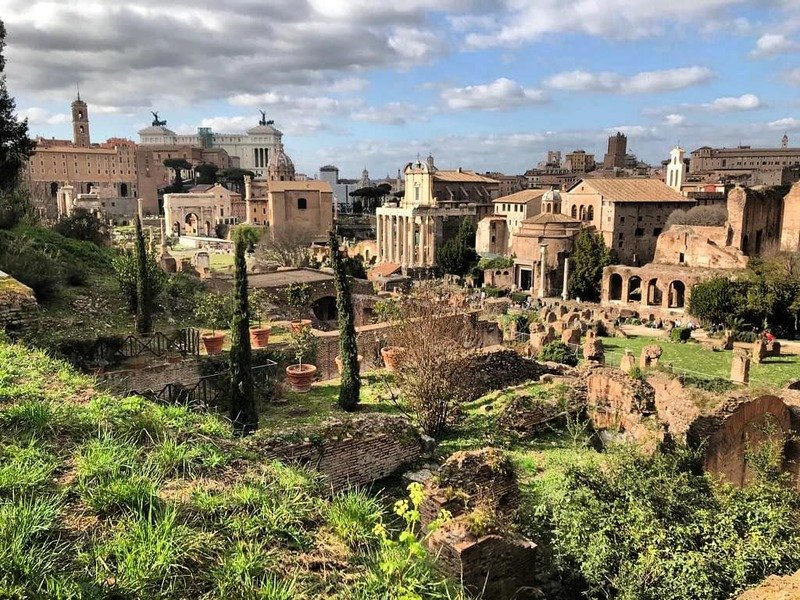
<point x="350" y="387"/>
<point x="243" y="412"/>
<point x="144" y="285"/>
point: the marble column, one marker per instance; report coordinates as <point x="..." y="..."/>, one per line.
<point x="423" y="242"/>
<point x="564" y="292"/>
<point x="542" y="271"/>
<point x="390" y="253"/>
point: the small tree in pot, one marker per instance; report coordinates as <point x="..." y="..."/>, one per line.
<point x="259" y="335"/>
<point x="298" y="297"/>
<point x="214" y="311"/>
<point x="304" y="344"/>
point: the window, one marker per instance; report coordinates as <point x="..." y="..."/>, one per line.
<point x="681" y="257"/>
<point x="639" y="232"/>
<point x="302" y="204"/>
<point x="657" y="231"/>
<point x="622" y="219"/>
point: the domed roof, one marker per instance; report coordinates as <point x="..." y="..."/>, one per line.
<point x="551" y="196"/>
<point x="280" y="160"/>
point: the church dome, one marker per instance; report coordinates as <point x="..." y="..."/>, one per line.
<point x="552" y="196"/>
<point x="280" y="160"/>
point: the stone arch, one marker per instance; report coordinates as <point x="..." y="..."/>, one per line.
<point x="634" y="289"/>
<point x="574" y="212"/>
<point x="589" y="213"/>
<point x="89" y="187"/>
<point x="176" y="228"/>
<point x="324" y="308"/>
<point x="123" y="190"/>
<point x="654" y="295"/>
<point x="736" y="428"/>
<point x="582" y="213"/>
<point x="191" y="222"/>
<point x="53" y="189"/>
<point x="677" y="294"/>
<point x="615" y="287"/>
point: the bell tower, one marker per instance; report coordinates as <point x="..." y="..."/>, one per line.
<point x="80" y="123"/>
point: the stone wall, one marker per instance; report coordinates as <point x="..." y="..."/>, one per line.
<point x="741" y="424"/>
<point x="143" y="377"/>
<point x="347" y="452"/>
<point x="17" y="304"/>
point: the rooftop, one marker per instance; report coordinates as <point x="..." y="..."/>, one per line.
<point x="462" y="177"/>
<point x="521" y="197"/>
<point x="314" y="185"/>
<point x="630" y="189"/>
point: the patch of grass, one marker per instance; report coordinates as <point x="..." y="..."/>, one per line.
<point x="25" y="469"/>
<point x="696" y="360"/>
<point x="353" y="515"/>
<point x="247" y="571"/>
<point x="153" y="556"/>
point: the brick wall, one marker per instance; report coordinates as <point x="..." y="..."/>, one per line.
<point x="347" y="452"/>
<point x="137" y="377"/>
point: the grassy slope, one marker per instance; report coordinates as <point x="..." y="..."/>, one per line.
<point x="109" y="497"/>
<point x="694" y="358"/>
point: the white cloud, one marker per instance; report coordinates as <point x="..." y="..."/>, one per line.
<point x="612" y="19"/>
<point x="792" y="77"/>
<point x="674" y="120"/>
<point x="392" y="113"/>
<point x="787" y="124"/>
<point x="771" y="44"/>
<point x="646" y="82"/>
<point x="40" y="116"/>
<point x="415" y="45"/>
<point x="733" y="104"/>
<point x="500" y="94"/>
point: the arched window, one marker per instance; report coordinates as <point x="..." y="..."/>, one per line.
<point x="574" y="212"/>
<point x="302" y="204"/>
<point x="123" y="190"/>
<point x="590" y="213"/>
<point x="615" y="287"/>
<point x="53" y="189"/>
<point x="582" y="213"/>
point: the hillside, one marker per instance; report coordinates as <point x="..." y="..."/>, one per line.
<point x="108" y="497"/>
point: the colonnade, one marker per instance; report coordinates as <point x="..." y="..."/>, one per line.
<point x="406" y="239"/>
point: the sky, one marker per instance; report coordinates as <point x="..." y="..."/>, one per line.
<point x="487" y="85"/>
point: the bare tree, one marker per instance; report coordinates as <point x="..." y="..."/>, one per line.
<point x="288" y="246"/>
<point x="436" y="341"/>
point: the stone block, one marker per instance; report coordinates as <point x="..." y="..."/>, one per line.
<point x="627" y="362"/>
<point x="648" y="359"/>
<point x="571" y="336"/>
<point x="740" y="368"/>
<point x="758" y="351"/>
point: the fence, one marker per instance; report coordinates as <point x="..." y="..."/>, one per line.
<point x="211" y="391"/>
<point x="112" y="350"/>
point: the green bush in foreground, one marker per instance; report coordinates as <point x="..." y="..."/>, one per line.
<point x="649" y="528"/>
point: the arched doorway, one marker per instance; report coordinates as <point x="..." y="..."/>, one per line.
<point x="615" y="287"/>
<point x="53" y="189"/>
<point x="325" y="308"/>
<point x="574" y="212"/>
<point x="677" y="294"/>
<point x="123" y="190"/>
<point x="635" y="289"/>
<point x="208" y="229"/>
<point x="176" y="228"/>
<point x="654" y="295"/>
<point x="191" y="224"/>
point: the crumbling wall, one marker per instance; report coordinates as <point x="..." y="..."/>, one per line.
<point x="17" y="304"/>
<point x="740" y="425"/>
<point x="347" y="451"/>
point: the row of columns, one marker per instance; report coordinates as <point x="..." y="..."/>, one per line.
<point x="407" y="240"/>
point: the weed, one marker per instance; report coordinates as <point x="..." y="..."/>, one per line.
<point x="245" y="572"/>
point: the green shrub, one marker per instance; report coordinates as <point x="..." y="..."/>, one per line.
<point x="558" y="351"/>
<point x="84" y="226"/>
<point x="32" y="266"/>
<point x="680" y="334"/>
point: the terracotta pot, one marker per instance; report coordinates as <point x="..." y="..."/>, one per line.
<point x="390" y="355"/>
<point x="301" y="377"/>
<point x="298" y="324"/>
<point x="338" y="362"/>
<point x="259" y="337"/>
<point x="213" y="342"/>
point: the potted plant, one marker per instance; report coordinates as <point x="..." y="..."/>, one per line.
<point x="338" y="361"/>
<point x="298" y="297"/>
<point x="213" y="310"/>
<point x="259" y="336"/>
<point x="391" y="356"/>
<point x="304" y="344"/>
